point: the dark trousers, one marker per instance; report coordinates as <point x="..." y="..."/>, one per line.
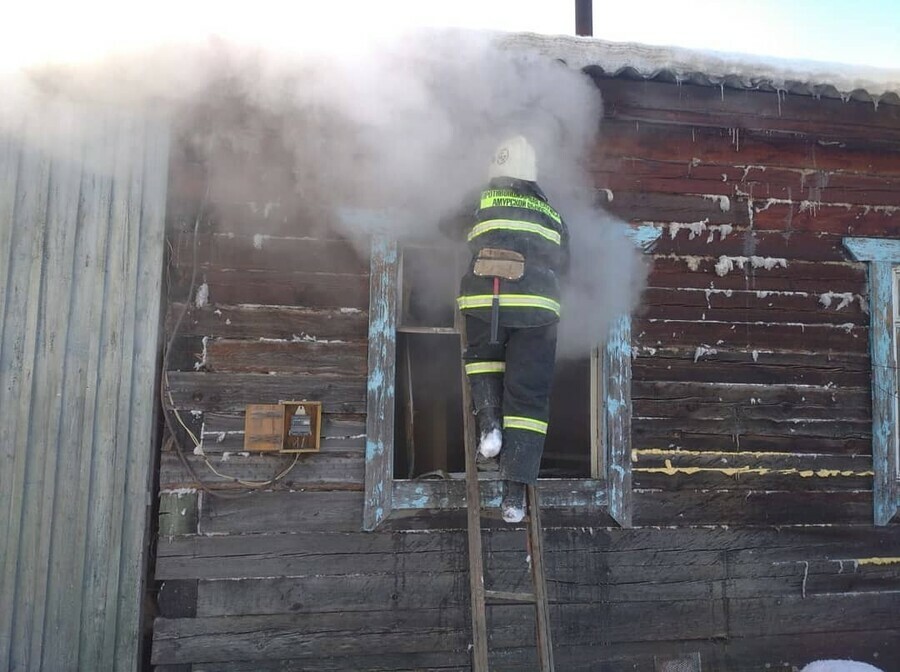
<point x="517" y="397"/>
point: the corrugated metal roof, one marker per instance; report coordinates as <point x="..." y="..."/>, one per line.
<point x="737" y="71"/>
<point x="81" y="248"/>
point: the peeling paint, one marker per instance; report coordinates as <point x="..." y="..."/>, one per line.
<point x="878" y="561"/>
<point x="670" y="470"/>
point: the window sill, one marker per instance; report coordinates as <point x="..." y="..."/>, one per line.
<point x="448" y="495"/>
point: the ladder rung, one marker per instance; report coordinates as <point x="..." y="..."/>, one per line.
<point x="508" y="596"/>
<point x="427" y="330"/>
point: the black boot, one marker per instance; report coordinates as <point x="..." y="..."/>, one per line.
<point x="512" y="506"/>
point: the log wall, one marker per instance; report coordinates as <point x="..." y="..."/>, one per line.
<point x="752" y="468"/>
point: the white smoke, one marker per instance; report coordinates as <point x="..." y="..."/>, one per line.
<point x="405" y="125"/>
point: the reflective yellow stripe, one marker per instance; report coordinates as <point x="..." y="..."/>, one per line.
<point x="508" y="301"/>
<point x="505" y="198"/>
<point x="515" y="225"/>
<point x="532" y="425"/>
<point x="485" y="367"/>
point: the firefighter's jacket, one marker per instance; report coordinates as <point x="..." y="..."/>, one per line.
<point x="515" y="215"/>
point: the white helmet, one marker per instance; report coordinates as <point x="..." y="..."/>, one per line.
<point x="514" y="158"/>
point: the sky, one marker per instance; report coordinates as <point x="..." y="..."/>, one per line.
<point x="865" y="32"/>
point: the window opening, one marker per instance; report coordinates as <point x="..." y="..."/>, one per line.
<point x="428" y="409"/>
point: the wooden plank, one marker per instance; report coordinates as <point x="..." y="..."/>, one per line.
<point x="727" y="392"/>
<point x="17" y="364"/>
<point x="283" y="512"/>
<point x="231" y="392"/>
<point x="107" y="471"/>
<point x="799" y="246"/>
<point x="309" y="554"/>
<point x="588" y="552"/>
<point x="824" y="218"/>
<point x="796" y="276"/>
<point x="696" y="439"/>
<point x="713" y="145"/>
<point x="220" y="433"/>
<point x="648" y="206"/>
<point x="411" y="631"/>
<point x="383" y="302"/>
<point x="737" y="654"/>
<point x="50" y="363"/>
<point x="839" y="429"/>
<point x="142" y="432"/>
<point x="741" y="306"/>
<point x="723" y="366"/>
<point x="66" y="613"/>
<point x="311" y="290"/>
<point x="327" y="469"/>
<point x="259" y="321"/>
<point x="812" y="575"/>
<point x="752" y="507"/>
<point x="838" y="405"/>
<point x="748" y="109"/>
<point x="264" y="251"/>
<point x="761" y="187"/>
<point x="814" y="613"/>
<point x="294" y="356"/>
<point x="752" y="336"/>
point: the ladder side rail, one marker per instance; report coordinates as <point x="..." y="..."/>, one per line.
<point x="473" y="517"/>
<point x="541" y="604"/>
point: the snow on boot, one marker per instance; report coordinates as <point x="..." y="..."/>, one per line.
<point x="512" y="506"/>
<point x="839" y="666"/>
<point x="490" y="444"/>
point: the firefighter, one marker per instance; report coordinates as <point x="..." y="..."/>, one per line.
<point x="510" y="299"/>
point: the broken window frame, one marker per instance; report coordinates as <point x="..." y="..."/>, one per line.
<point x="882" y="257"/>
<point x="387" y="497"/>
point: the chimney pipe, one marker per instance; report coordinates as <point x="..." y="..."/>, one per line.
<point x="584" y="17"/>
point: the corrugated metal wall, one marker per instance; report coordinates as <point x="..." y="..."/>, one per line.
<point x="82" y="205"/>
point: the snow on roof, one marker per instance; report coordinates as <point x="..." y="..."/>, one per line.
<point x="711" y="68"/>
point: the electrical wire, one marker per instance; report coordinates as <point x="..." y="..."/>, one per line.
<point x="169" y="410"/>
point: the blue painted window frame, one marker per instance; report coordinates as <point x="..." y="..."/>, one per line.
<point x="387" y="497"/>
<point x="883" y="261"/>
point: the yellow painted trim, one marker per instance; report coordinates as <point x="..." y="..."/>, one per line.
<point x="637" y="452"/>
<point x="878" y="561"/>
<point x="515" y="225"/>
<point x="530" y="424"/>
<point x="670" y="470"/>
<point x="485" y="367"/>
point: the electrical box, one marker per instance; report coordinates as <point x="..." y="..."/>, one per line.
<point x="285" y="427"/>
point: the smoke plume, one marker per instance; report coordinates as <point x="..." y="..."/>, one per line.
<point x="404" y="126"/>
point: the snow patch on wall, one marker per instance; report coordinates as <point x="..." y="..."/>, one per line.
<point x="202" y="297"/>
<point x="726" y="264"/>
<point x="703" y="350"/>
<point x="695" y="228"/>
<point x="723" y="201"/>
<point x="846" y="298"/>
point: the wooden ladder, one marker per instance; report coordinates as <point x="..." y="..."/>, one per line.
<point x="534" y="547"/>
